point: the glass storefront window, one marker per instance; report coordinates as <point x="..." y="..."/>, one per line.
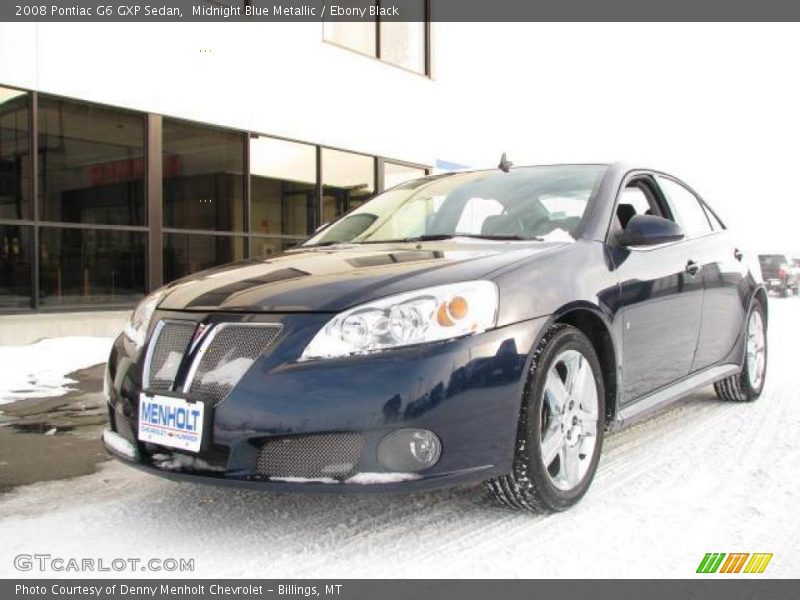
<point x="348" y="180"/>
<point x="283" y="178"/>
<point x="403" y="43"/>
<point x="203" y="171"/>
<point x="187" y="253"/>
<point x="395" y="174"/>
<point x="92" y="173"/>
<point x="15" y="266"/>
<point x="91" y="266"/>
<point x="357" y="35"/>
<point x="14" y="154"/>
<point x="91" y="163"/>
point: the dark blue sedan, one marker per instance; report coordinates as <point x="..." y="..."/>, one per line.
<point x="483" y="326"/>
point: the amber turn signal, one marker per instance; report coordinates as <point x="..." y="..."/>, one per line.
<point x="452" y="311"/>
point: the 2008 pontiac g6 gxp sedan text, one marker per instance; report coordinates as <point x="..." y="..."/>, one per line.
<point x="478" y="326"/>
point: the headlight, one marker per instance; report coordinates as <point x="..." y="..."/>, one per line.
<point x="137" y="326"/>
<point x="428" y="315"/>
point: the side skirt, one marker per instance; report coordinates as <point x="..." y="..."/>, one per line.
<point x="669" y="394"/>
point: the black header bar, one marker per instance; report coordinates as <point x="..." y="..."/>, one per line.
<point x="398" y="10"/>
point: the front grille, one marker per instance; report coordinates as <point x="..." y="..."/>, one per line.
<point x="224" y="355"/>
<point x="122" y="424"/>
<point x="171" y="339"/>
<point x="227" y="354"/>
<point x="325" y="455"/>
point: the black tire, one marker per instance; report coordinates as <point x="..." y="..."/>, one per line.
<point x="528" y="486"/>
<point x="737" y="388"/>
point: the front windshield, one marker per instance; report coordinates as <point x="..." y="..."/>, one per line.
<point x="526" y="203"/>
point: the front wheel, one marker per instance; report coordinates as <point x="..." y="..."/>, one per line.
<point x="560" y="431"/>
<point x="747" y="385"/>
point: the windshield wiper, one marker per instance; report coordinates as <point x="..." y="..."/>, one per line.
<point x="432" y="237"/>
<point x="479" y="236"/>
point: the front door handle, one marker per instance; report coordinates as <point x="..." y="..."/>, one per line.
<point x="737" y="254"/>
<point x="692" y="268"/>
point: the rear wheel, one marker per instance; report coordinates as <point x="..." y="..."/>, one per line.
<point x="560" y="431"/>
<point x="747" y="385"/>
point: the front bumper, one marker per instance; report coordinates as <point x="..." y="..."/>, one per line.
<point x="467" y="391"/>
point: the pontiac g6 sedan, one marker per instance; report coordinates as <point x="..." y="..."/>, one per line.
<point x="483" y="326"/>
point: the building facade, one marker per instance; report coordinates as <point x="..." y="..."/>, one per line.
<point x="127" y="163"/>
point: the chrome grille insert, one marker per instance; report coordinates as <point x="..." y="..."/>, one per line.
<point x="228" y="351"/>
<point x="318" y="456"/>
<point x="165" y="354"/>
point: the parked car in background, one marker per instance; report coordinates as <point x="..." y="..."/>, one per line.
<point x="780" y="274"/>
<point x="477" y="326"/>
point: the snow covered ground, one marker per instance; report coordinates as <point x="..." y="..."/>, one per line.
<point x="40" y="370"/>
<point x="706" y="476"/>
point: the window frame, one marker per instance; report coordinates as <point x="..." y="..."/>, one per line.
<point x="377" y="184"/>
<point x="427" y="71"/>
<point x="380" y="180"/>
<point x="703" y="207"/>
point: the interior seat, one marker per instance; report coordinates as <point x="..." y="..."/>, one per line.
<point x="501" y="225"/>
<point x="625" y="212"/>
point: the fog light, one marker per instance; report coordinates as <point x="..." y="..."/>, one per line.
<point x="409" y="450"/>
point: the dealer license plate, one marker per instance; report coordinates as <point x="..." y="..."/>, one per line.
<point x="172" y="422"/>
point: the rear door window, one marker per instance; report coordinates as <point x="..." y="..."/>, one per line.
<point x="686" y="208"/>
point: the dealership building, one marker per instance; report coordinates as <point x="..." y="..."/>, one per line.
<point x="133" y="155"/>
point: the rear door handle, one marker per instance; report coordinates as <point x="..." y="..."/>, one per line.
<point x="692" y="268"/>
<point x="737" y="254"/>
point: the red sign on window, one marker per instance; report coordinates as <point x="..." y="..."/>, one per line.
<point x="119" y="171"/>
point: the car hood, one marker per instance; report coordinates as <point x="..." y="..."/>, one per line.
<point x="331" y="279"/>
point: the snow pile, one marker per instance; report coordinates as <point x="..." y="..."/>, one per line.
<point x="358" y="478"/>
<point x="119" y="444"/>
<point x="372" y="478"/>
<point x="304" y="479"/>
<point x="40" y="370"/>
<point x="183" y="462"/>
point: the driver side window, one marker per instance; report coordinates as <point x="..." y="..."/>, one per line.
<point x="636" y="199"/>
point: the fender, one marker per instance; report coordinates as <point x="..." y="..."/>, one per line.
<point x="612" y="368"/>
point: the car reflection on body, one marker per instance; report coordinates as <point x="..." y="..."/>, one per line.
<point x="483" y="326"/>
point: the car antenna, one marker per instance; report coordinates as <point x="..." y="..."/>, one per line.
<point x="505" y="164"/>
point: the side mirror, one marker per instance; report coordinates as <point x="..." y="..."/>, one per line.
<point x="649" y="230"/>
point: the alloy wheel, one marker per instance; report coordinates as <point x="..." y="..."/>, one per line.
<point x="568" y="436"/>
<point x="756" y="349"/>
